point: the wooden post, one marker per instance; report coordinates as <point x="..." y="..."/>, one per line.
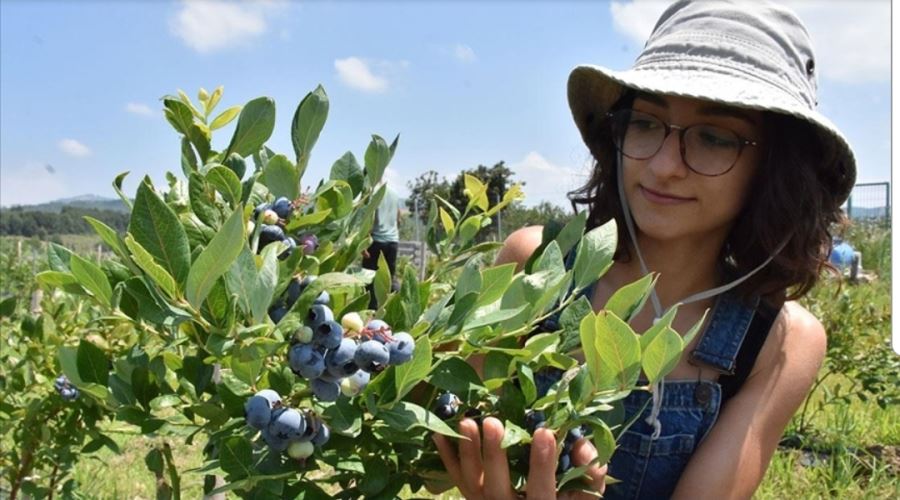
<point x="36" y="297"/>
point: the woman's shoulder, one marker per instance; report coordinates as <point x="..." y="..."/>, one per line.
<point x="797" y="338"/>
<point x="519" y="246"/>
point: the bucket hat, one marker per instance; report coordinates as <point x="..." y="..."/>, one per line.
<point x="746" y="54"/>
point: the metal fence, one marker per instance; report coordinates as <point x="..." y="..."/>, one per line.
<point x="871" y="200"/>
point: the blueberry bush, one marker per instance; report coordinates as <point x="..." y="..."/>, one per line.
<point x="235" y="312"/>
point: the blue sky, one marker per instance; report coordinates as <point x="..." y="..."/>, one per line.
<point x="463" y="83"/>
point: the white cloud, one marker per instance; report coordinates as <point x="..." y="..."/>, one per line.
<point x="210" y="25"/>
<point x="545" y="181"/>
<point x="138" y="109"/>
<point x="74" y="148"/>
<point x="464" y="53"/>
<point x="852" y="39"/>
<point x="356" y="73"/>
<point x="30" y="184"/>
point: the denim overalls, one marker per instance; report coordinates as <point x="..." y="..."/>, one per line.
<point x="650" y="468"/>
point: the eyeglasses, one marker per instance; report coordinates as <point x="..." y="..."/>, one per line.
<point x="706" y="149"/>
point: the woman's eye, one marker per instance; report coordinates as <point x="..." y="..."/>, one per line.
<point x="717" y="138"/>
<point x="643" y="124"/>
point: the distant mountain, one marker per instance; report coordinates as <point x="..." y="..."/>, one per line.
<point x="84" y="201"/>
<point x="867" y="212"/>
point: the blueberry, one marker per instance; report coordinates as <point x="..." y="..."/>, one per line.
<point x="325" y="390"/>
<point x="379" y="330"/>
<point x="319" y="314"/>
<point x="257" y="412"/>
<point x="294" y="290"/>
<point x="305" y="361"/>
<point x="270" y="234"/>
<point x="448" y="398"/>
<point x="447" y="405"/>
<point x="564" y="464"/>
<point x="574" y="434"/>
<point x="309" y="243"/>
<point x="274" y="442"/>
<point x="282" y="207"/>
<point x="291" y="245"/>
<point x="328" y="335"/>
<point x="445" y="412"/>
<point x="323" y="299"/>
<point x="277" y="313"/>
<point x="299" y="450"/>
<point x="354" y="384"/>
<point x="259" y="209"/>
<point x="401" y="348"/>
<point x="271" y="396"/>
<point x="534" y="420"/>
<point x="339" y="361"/>
<point x="61" y="382"/>
<point x="372" y="356"/>
<point x="321" y="437"/>
<point x="287" y="424"/>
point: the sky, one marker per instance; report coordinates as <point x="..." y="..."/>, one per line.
<point x="463" y="83"/>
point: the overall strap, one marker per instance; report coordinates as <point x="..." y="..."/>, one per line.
<point x="719" y="346"/>
<point x="753" y="342"/>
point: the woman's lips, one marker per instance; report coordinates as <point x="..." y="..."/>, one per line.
<point x="662" y="198"/>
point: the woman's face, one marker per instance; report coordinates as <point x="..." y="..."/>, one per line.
<point x="670" y="201"/>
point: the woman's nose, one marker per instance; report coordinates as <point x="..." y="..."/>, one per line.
<point x="669" y="161"/>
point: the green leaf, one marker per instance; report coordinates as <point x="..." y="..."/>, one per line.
<point x="156" y="272"/>
<point x="604" y="442"/>
<point x="226" y="182"/>
<point x="282" y="177"/>
<point x="59" y="257"/>
<point x="476" y="191"/>
<point x="619" y="350"/>
<point x="203" y="201"/>
<point x="595" y="254"/>
<point x="493" y="317"/>
<point x="238" y="166"/>
<point x="252" y="280"/>
<point x="225" y="117"/>
<point x="658" y="326"/>
<point x="408" y="374"/>
<point x="254" y="127"/>
<point x="495" y="280"/>
<point x="377" y="157"/>
<point x="178" y="114"/>
<point x="347" y="169"/>
<point x="307" y="220"/>
<point x="570" y="321"/>
<point x="455" y="375"/>
<point x="513" y="435"/>
<point x="107" y="234"/>
<point x="7" y="307"/>
<point x="236" y="457"/>
<point x="526" y="382"/>
<point x="93" y="365"/>
<point x="337" y="196"/>
<point x="470" y="280"/>
<point x="572" y="232"/>
<point x="628" y="301"/>
<point x="117" y="187"/>
<point x="156" y="227"/>
<point x="309" y="119"/>
<point x="215" y="259"/>
<point x="406" y="415"/>
<point x="344" y="417"/>
<point x="662" y="354"/>
<point x="92" y="278"/>
<point x="382" y="281"/>
<point x="446" y="221"/>
<point x="68" y="362"/>
<point x="55" y="279"/>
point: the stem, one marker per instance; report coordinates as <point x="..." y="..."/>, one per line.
<point x="802" y="426"/>
<point x="53" y="481"/>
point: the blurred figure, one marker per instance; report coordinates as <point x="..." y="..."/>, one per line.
<point x="846" y="258"/>
<point x="385" y="239"/>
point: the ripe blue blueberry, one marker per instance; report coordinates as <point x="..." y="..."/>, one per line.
<point x="535" y="420"/>
<point x="325" y="390"/>
<point x="287" y="424"/>
<point x="372" y="356"/>
<point x="319" y="314"/>
<point x="323" y="299"/>
<point x="321" y="437"/>
<point x="276" y="313"/>
<point x="294" y="290"/>
<point x="328" y="334"/>
<point x="269" y="234"/>
<point x="282" y="207"/>
<point x="257" y="412"/>
<point x="379" y="330"/>
<point x="401" y="348"/>
<point x="564" y="463"/>
<point x="354" y="384"/>
<point x="291" y="245"/>
<point x="306" y="361"/>
<point x="274" y="442"/>
<point x="339" y="361"/>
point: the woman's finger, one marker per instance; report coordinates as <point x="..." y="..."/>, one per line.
<point x="583" y="452"/>
<point x="542" y="466"/>
<point x="497" y="483"/>
<point x="470" y="463"/>
<point x="451" y="462"/>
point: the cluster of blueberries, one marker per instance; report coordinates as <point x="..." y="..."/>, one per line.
<point x="534" y="420"/>
<point x="272" y="217"/>
<point x="284" y="303"/>
<point x="337" y="364"/>
<point x="285" y="429"/>
<point x="65" y="388"/>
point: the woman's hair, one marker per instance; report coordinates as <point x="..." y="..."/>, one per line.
<point x="790" y="201"/>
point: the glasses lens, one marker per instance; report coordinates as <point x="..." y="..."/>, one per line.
<point x="637" y="135"/>
<point x="711" y="150"/>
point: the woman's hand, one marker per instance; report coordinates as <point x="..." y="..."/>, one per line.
<point x="481" y="470"/>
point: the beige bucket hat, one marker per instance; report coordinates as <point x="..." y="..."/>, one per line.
<point x="748" y="54"/>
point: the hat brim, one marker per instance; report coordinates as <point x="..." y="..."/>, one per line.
<point x="593" y="90"/>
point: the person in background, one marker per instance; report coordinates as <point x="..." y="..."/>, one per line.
<point x="385" y="239"/>
<point x="846" y="258"/>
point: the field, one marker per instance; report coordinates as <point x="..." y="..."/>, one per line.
<point x="844" y="443"/>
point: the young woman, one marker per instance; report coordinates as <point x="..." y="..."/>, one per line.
<point x="724" y="180"/>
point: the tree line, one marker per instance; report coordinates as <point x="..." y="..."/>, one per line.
<point x="17" y="221"/>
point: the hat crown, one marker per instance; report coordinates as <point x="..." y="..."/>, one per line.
<point x="760" y="40"/>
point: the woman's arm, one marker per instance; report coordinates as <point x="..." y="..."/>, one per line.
<point x="733" y="459"/>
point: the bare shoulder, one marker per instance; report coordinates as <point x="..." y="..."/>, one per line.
<point x="796" y="343"/>
<point x="519" y="246"/>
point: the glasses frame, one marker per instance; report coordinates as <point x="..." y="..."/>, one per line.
<point x="668" y="127"/>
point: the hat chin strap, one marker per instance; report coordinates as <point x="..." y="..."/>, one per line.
<point x="659" y="385"/>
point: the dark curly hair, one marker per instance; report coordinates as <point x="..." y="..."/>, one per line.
<point x="790" y="201"/>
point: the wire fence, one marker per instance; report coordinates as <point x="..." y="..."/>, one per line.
<point x="870" y="201"/>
